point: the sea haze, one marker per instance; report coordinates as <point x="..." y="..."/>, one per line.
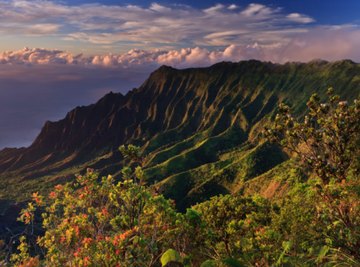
<point x="33" y="94"/>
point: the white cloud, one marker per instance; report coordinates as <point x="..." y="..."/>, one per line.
<point x="31" y="29"/>
<point x="232" y="7"/>
<point x="159" y="8"/>
<point x="257" y="10"/>
<point x="155" y="26"/>
<point x="300" y="18"/>
<point x="214" y="9"/>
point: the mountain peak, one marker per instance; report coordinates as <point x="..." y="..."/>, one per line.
<point x="165" y="68"/>
<point x="173" y="104"/>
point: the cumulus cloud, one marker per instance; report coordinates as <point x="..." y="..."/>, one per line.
<point x="41" y="56"/>
<point x="326" y="42"/>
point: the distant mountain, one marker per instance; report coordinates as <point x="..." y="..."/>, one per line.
<point x="198" y="128"/>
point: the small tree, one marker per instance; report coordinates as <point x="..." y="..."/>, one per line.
<point x="327" y="140"/>
<point x="132" y="153"/>
<point x="327" y="144"/>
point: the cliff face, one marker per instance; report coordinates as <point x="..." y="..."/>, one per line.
<point x="183" y="119"/>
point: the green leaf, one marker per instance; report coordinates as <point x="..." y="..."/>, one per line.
<point x="208" y="263"/>
<point x="322" y="253"/>
<point x="286" y="246"/>
<point x="170" y="256"/>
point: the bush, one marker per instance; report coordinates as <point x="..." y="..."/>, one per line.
<point x="326" y="227"/>
<point x="91" y="223"/>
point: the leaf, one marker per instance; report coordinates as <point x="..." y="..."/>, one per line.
<point x="170" y="256"/>
<point x="208" y="263"/>
<point x="322" y="253"/>
<point x="286" y="246"/>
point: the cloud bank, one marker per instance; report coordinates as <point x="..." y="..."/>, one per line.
<point x="325" y="42"/>
<point x="153" y="26"/>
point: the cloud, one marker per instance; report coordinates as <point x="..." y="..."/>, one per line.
<point x="300" y="18"/>
<point x="156" y="25"/>
<point x="214" y="9"/>
<point x="232" y="7"/>
<point x="258" y="10"/>
<point x="329" y="43"/>
<point x="29" y="30"/>
<point x="326" y="42"/>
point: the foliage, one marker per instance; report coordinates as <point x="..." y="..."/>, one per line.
<point x="328" y="138"/>
<point x="131" y="152"/>
<point x="88" y="223"/>
<point x="327" y="143"/>
<point x="103" y="222"/>
<point x="171" y="257"/>
<point x="235" y="224"/>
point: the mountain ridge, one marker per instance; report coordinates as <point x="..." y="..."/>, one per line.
<point x="182" y="119"/>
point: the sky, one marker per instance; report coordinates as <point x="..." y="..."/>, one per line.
<point x="55" y="55"/>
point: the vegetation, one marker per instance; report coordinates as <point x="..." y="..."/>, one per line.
<point x="105" y="222"/>
<point x="327" y="145"/>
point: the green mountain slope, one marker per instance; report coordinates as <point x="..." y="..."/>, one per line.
<point x="198" y="127"/>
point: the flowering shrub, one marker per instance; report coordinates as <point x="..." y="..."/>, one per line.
<point x="91" y="223"/>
